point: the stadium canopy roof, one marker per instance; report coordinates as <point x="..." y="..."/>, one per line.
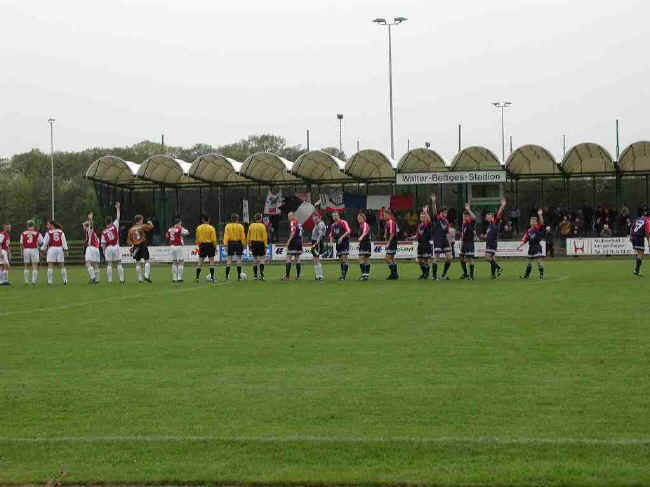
<point x="371" y="165"/>
<point x="532" y="161"/>
<point x="165" y="170"/>
<point x="268" y="168"/>
<point x="475" y="159"/>
<point x="635" y="158"/>
<point x="421" y="160"/>
<point x="217" y="169"/>
<point x="319" y="167"/>
<point x="115" y="171"/>
<point x="588" y="159"/>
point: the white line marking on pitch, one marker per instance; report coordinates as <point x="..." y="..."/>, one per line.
<point x="330" y="439"/>
<point x="116" y="298"/>
<point x="561" y="278"/>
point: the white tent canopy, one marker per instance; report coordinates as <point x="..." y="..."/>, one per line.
<point x="370" y="164"/>
<point x="217" y="169"/>
<point x="269" y="168"/>
<point x="475" y="159"/>
<point x="635" y="158"/>
<point x="319" y="166"/>
<point x="588" y="158"/>
<point x="164" y="169"/>
<point x="421" y="160"/>
<point x="113" y="170"/>
<point x="531" y="160"/>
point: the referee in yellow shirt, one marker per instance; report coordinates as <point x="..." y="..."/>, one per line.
<point x="257" y="242"/>
<point x="206" y="240"/>
<point x="234" y="238"/>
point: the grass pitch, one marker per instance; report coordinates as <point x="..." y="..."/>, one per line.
<point x="445" y="383"/>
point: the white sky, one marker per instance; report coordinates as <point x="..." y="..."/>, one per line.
<point x="117" y="72"/>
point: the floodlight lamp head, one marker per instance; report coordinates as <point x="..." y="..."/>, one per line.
<point x="399" y="20"/>
<point x="339" y="116"/>
<point x="380" y="21"/>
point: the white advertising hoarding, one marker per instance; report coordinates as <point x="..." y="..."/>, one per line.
<point x="601" y="246"/>
<point x="452" y="177"/>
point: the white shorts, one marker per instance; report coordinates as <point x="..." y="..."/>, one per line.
<point x="55" y="255"/>
<point x="4" y="259"/>
<point x="31" y="256"/>
<point x="112" y="253"/>
<point x="92" y="255"/>
<point x="177" y="253"/>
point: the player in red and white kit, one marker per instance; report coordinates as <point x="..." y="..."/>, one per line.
<point x="4" y="254"/>
<point x="111" y="244"/>
<point x="175" y="236"/>
<point x="55" y="244"/>
<point x="92" y="256"/>
<point x="30" y="240"/>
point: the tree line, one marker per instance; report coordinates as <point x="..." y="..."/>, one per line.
<point x="25" y="179"/>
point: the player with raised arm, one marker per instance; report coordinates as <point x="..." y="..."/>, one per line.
<point x="91" y="256"/>
<point x="30" y="241"/>
<point x="365" y="247"/>
<point x="467" y="251"/>
<point x="318" y="236"/>
<point x="55" y="244"/>
<point x="110" y="241"/>
<point x="175" y="236"/>
<point x="294" y="247"/>
<point x="492" y="239"/>
<point x="441" y="245"/>
<point x="4" y="254"/>
<point x="534" y="236"/>
<point x="340" y="236"/>
<point x="423" y="236"/>
<point x="206" y="240"/>
<point x="137" y="239"/>
<point x="258" y="241"/>
<point x="234" y="238"/>
<point x="390" y="234"/>
<point x="639" y="233"/>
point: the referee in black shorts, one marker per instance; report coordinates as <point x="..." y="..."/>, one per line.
<point x="206" y="241"/>
<point x="258" y="241"/>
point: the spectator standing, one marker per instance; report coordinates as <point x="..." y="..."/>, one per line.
<point x="550" y="242"/>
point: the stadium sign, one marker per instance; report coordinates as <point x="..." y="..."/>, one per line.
<point x="601" y="246"/>
<point x="452" y="177"/>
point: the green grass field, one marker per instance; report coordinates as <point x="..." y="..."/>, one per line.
<point x="409" y="382"/>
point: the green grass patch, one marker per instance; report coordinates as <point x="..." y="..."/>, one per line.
<point x="504" y="382"/>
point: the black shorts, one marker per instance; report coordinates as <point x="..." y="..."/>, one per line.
<point x="365" y="248"/>
<point x="141" y="252"/>
<point x="343" y="248"/>
<point x="425" y="250"/>
<point x="391" y="247"/>
<point x="491" y="248"/>
<point x="206" y="250"/>
<point x="467" y="249"/>
<point x="295" y="247"/>
<point x="441" y="246"/>
<point x="258" y="249"/>
<point x="637" y="242"/>
<point x="535" y="251"/>
<point x="318" y="248"/>
<point x="235" y="249"/>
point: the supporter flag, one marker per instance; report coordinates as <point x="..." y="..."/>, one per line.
<point x="274" y="202"/>
<point x="304" y="214"/>
<point x="304" y="197"/>
<point x="333" y="200"/>
<point x="404" y="202"/>
<point x="244" y="212"/>
<point x="377" y="202"/>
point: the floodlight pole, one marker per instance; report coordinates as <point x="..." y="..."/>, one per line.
<point x="339" y="116"/>
<point x="51" y="122"/>
<point x="383" y="22"/>
<point x="502" y="105"/>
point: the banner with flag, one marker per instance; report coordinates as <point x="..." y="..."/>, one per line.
<point x="274" y="202"/>
<point x="304" y="214"/>
<point x="332" y="200"/>
<point x="244" y="212"/>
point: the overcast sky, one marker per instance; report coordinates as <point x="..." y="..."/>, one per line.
<point x="117" y="72"/>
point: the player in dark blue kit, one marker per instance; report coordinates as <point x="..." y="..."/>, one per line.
<point x="423" y="237"/>
<point x="441" y="246"/>
<point x="340" y="232"/>
<point x="492" y="239"/>
<point x="467" y="251"/>
<point x="639" y="232"/>
<point x="534" y="236"/>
